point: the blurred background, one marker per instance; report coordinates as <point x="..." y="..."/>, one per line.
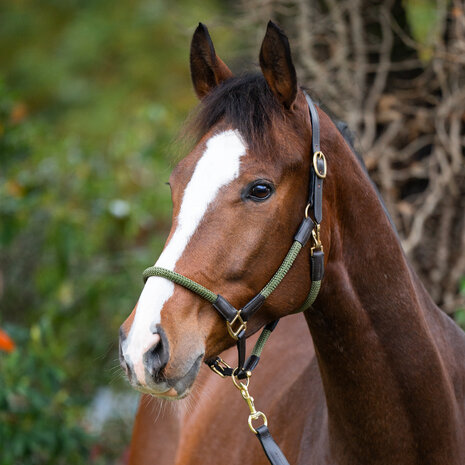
<point x="92" y="96"/>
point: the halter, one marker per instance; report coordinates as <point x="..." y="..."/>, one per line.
<point x="236" y="320"/>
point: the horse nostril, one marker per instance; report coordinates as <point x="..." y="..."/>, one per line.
<point x="156" y="358"/>
<point x="122" y="361"/>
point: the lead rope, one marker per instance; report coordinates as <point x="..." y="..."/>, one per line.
<point x="236" y="320"/>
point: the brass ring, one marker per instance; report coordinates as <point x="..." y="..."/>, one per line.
<point x="306" y="210"/>
<point x="256" y="416"/>
<point x="239" y="384"/>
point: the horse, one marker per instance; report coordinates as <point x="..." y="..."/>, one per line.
<point x="372" y="372"/>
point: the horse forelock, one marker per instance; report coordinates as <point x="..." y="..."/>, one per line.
<point x="246" y="103"/>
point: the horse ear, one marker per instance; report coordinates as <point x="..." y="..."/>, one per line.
<point x="207" y="69"/>
<point x="277" y="66"/>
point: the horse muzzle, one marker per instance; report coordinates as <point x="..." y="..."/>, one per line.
<point x="147" y="372"/>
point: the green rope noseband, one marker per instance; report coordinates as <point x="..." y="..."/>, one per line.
<point x="282" y="270"/>
<point x="211" y="297"/>
<point x="181" y="280"/>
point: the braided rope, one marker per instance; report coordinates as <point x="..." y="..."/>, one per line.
<point x="266" y="291"/>
<point x="181" y="280"/>
<point x="282" y="270"/>
<point x="260" y="344"/>
<point x="312" y="295"/>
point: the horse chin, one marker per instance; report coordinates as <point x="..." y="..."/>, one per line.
<point x="175" y="388"/>
<point x="173" y="395"/>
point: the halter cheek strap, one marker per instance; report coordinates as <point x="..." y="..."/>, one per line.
<point x="236" y="320"/>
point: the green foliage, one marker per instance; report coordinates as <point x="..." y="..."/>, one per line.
<point x="92" y="95"/>
<point x="37" y="414"/>
<point x="425" y="19"/>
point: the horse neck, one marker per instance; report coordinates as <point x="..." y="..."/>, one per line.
<point x="388" y="393"/>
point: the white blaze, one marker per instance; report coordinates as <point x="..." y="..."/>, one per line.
<point x="218" y="166"/>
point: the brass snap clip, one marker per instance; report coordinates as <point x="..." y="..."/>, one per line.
<point x="316" y="239"/>
<point x="244" y="388"/>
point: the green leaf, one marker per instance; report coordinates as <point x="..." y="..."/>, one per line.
<point x="425" y="19"/>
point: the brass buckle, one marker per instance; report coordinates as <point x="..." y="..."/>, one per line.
<point x="234" y="333"/>
<point x="219" y="365"/>
<point x="319" y="155"/>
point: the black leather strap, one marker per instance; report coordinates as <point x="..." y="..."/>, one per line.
<point x="315" y="124"/>
<point x="315" y="190"/>
<point x="317" y="261"/>
<point x="305" y="231"/>
<point x="251" y="307"/>
<point x="272" y="451"/>
<point x="227" y="311"/>
<point x="241" y="348"/>
<point x="317" y="196"/>
<point x="251" y="363"/>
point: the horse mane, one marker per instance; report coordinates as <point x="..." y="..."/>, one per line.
<point x="349" y="137"/>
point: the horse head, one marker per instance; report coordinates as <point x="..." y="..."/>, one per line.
<point x="238" y="199"/>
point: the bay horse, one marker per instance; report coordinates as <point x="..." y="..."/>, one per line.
<point x="380" y="376"/>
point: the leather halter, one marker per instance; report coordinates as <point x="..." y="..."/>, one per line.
<point x="236" y="320"/>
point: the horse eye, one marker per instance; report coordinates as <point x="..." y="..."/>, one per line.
<point x="259" y="191"/>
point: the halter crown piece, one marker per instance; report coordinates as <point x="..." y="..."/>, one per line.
<point x="236" y="320"/>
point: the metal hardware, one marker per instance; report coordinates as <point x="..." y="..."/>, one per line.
<point x="219" y="365"/>
<point x="239" y="384"/>
<point x="319" y="155"/>
<point x="254" y="414"/>
<point x="316" y="239"/>
<point x="315" y="233"/>
<point x="234" y="333"/>
<point x="307" y="208"/>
